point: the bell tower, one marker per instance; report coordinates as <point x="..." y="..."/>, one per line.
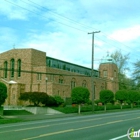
<point x="109" y="72"/>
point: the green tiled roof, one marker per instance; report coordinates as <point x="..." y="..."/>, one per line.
<point x="108" y="59"/>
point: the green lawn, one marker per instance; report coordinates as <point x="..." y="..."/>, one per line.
<point x="11" y="116"/>
<point x="13" y="120"/>
<point x="7" y="113"/>
<point x="15" y="112"/>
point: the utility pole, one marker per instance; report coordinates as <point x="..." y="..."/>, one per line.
<point x="92" y="69"/>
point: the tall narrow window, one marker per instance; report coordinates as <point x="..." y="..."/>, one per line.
<point x="12" y="67"/>
<point x="84" y="84"/>
<point x="115" y="74"/>
<point x="64" y="67"/>
<point x="102" y="86"/>
<point x="5" y="69"/>
<point x="105" y="73"/>
<point x="39" y="76"/>
<point x="61" y="79"/>
<point x="58" y="93"/>
<point x="19" y="67"/>
<point x="49" y="63"/>
<point x="73" y="83"/>
<point x="63" y="93"/>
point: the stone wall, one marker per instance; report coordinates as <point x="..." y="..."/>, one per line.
<point x="42" y="110"/>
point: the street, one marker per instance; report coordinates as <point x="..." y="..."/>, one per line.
<point x="108" y="126"/>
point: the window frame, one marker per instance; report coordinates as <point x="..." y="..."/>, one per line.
<point x="5" y="69"/>
<point x="12" y="67"/>
<point x="19" y="67"/>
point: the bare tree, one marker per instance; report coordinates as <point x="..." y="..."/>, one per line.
<point x="121" y="61"/>
<point x="136" y="73"/>
<point x="122" y="64"/>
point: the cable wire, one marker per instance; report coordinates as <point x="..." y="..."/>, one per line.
<point x="44" y="8"/>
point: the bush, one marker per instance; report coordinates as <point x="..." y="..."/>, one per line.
<point x="50" y="102"/>
<point x="99" y="108"/>
<point x="89" y="102"/>
<point x="54" y="101"/>
<point x="3" y="93"/>
<point x="97" y="101"/>
<point x="35" y="97"/>
<point x="67" y="109"/>
<point x="58" y="100"/>
<point x="128" y="102"/>
<point x="88" y="108"/>
<point x="24" y="96"/>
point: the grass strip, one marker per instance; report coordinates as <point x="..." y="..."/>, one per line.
<point x="13" y="120"/>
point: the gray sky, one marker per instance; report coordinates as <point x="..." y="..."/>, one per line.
<point x="60" y="28"/>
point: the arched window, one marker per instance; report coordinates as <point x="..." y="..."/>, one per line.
<point x="73" y="83"/>
<point x="61" y="79"/>
<point x="19" y="67"/>
<point x="115" y="73"/>
<point x="102" y="86"/>
<point x="84" y="83"/>
<point x="5" y="69"/>
<point x="105" y="73"/>
<point x="12" y="67"/>
<point x="39" y="76"/>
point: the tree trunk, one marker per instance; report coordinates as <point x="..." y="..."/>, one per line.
<point x="121" y="106"/>
<point x="79" y="109"/>
<point x="105" y="107"/>
<point x="131" y="105"/>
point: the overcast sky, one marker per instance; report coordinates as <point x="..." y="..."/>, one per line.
<point x="60" y="28"/>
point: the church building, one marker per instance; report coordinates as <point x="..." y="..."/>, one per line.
<point x="28" y="70"/>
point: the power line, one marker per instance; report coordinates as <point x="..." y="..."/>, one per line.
<point x="59" y="15"/>
<point x="47" y="73"/>
<point x="36" y="65"/>
<point x="88" y="27"/>
<point x="56" y="14"/>
<point x="58" y="74"/>
<point x="45" y="16"/>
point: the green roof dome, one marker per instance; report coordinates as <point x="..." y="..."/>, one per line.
<point x="108" y="59"/>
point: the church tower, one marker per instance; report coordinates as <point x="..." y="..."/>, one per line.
<point x="109" y="72"/>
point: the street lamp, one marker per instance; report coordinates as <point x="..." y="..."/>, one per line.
<point x="92" y="68"/>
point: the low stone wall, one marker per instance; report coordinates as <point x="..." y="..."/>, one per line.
<point x="52" y="111"/>
<point x="42" y="110"/>
<point x="34" y="110"/>
<point x="13" y="107"/>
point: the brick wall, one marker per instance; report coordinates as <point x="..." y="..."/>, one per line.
<point x="58" y="82"/>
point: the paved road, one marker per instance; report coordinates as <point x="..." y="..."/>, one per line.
<point x="111" y="126"/>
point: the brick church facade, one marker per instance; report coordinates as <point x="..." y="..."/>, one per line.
<point x="24" y="70"/>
